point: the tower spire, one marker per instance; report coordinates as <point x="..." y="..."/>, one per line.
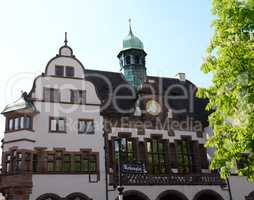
<point x="65" y="40"/>
<point x="130" y="30"/>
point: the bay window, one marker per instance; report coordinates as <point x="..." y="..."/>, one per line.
<point x="19" y="122"/>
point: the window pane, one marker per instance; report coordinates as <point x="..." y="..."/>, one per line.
<point x="75" y="96"/>
<point x="28" y="122"/>
<point x="55" y="95"/>
<point x="128" y="60"/>
<point x="35" y="163"/>
<point x="84" y="166"/>
<point x="67" y="167"/>
<point x="10" y="124"/>
<point x="53" y="124"/>
<point x="46" y="94"/>
<point x="69" y="71"/>
<point x="22" y="122"/>
<point x="92" y="166"/>
<point x="89" y="127"/>
<point x="148" y="146"/>
<point x="50" y="166"/>
<point x="58" y="165"/>
<point x="61" y="125"/>
<point x="136" y="59"/>
<point x="16" y="125"/>
<point x="82" y="97"/>
<point x="59" y="70"/>
<point x="82" y="126"/>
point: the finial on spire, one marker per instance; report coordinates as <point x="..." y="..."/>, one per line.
<point x="65" y="40"/>
<point x="130" y="30"/>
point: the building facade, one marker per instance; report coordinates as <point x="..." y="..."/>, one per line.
<point x="83" y="134"/>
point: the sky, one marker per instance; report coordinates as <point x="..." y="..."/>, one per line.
<point x="175" y="36"/>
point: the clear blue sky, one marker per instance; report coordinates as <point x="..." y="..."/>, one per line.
<point x="175" y="35"/>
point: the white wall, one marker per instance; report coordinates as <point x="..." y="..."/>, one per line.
<point x="240" y="187"/>
<point x="64" y="185"/>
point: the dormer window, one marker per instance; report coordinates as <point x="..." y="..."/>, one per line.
<point x="59" y="70"/>
<point x="69" y="71"/>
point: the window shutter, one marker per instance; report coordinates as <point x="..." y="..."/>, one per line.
<point x="203" y="157"/>
<point x="172" y="155"/>
<point x="195" y="156"/>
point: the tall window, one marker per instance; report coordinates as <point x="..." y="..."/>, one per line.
<point x="156" y="156"/>
<point x="85" y="126"/>
<point x="57" y="124"/>
<point x="67" y="163"/>
<point x="19" y="123"/>
<point x="59" y="70"/>
<point x="8" y="163"/>
<point x="18" y="162"/>
<point x="35" y="162"/>
<point x="137" y="58"/>
<point x="51" y="167"/>
<point x="59" y="162"/>
<point x="127" y="149"/>
<point x="184" y="157"/>
<point x="27" y="162"/>
<point x="69" y="71"/>
<point x="77" y="163"/>
<point x="78" y="96"/>
<point x="51" y="95"/>
<point x="128" y="60"/>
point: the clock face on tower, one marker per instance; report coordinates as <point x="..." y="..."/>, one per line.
<point x="153" y="107"/>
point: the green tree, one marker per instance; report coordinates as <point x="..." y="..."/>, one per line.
<point x="230" y="59"/>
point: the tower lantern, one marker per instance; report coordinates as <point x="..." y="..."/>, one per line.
<point x="132" y="59"/>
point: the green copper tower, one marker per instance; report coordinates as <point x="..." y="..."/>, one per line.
<point x="132" y="59"/>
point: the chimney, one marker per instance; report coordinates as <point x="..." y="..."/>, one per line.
<point x="180" y="76"/>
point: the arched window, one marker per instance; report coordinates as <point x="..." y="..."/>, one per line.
<point x="128" y="60"/>
<point x="137" y="58"/>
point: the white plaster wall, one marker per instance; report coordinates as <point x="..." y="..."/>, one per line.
<point x="16" y="136"/>
<point x="240" y="187"/>
<point x="153" y="191"/>
<point x="65" y="85"/>
<point x="64" y="185"/>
